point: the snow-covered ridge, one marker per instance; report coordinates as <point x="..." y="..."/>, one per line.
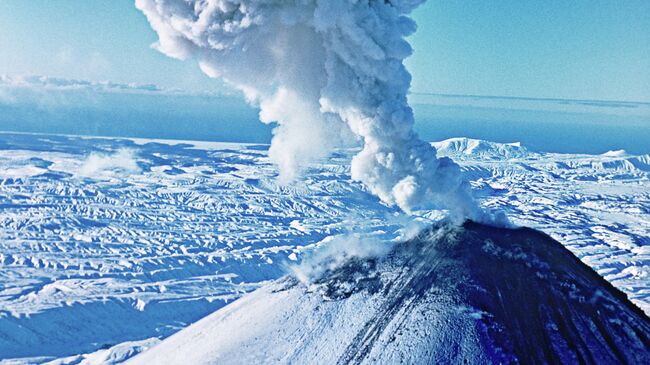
<point x="480" y="149"/>
<point x="476" y="149"/>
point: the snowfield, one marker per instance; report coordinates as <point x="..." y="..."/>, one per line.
<point x="107" y="245"/>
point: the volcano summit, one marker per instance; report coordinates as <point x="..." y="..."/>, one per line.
<point x="470" y="294"/>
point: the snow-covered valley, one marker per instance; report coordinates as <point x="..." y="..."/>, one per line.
<point x="108" y="244"/>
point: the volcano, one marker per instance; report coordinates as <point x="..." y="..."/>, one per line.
<point x="470" y="294"/>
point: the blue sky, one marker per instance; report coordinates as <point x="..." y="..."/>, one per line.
<point x="581" y="49"/>
<point x="588" y="50"/>
<point x="91" y="40"/>
<point x="555" y="49"/>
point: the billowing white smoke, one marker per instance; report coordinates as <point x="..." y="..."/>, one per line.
<point x="327" y="71"/>
<point x="103" y="165"/>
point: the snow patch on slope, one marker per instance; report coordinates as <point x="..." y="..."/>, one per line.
<point x="114" y="355"/>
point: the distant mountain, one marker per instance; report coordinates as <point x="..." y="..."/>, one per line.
<point x="480" y="148"/>
<point x="472" y="294"/>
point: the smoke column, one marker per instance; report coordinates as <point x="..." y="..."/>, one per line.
<point x="329" y="72"/>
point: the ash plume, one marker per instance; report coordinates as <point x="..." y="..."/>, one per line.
<point x="329" y="73"/>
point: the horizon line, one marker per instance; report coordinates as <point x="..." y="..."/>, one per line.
<point x="529" y="98"/>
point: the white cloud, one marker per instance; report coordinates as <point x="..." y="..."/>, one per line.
<point x="48" y="93"/>
<point x="9" y="82"/>
<point x="98" y="165"/>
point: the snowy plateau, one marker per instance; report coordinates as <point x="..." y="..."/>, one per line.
<point x="108" y="246"/>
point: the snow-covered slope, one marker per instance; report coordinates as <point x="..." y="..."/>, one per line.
<point x="472" y="294"/>
<point x="115" y="240"/>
